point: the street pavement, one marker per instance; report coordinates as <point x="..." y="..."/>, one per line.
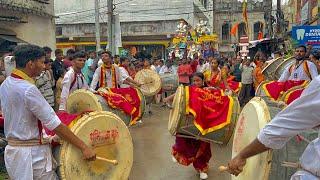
<point x="152" y="152"/>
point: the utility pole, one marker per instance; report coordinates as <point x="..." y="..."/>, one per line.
<point x="213" y="16"/>
<point x="97" y="24"/>
<point x="111" y="42"/>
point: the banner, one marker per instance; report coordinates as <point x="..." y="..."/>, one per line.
<point x="210" y="108"/>
<point x="131" y="96"/>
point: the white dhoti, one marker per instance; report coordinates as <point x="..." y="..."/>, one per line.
<point x="30" y="163"/>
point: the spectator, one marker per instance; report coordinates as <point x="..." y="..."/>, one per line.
<point x="184" y="72"/>
<point x="247" y="91"/>
<point x="57" y="65"/>
<point x="67" y="61"/>
<point x="45" y="83"/>
<point x="58" y="89"/>
<point x="88" y="69"/>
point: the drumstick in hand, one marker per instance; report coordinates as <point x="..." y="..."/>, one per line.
<point x="114" y="162"/>
<point x="223" y="168"/>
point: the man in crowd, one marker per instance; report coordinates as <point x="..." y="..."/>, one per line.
<point x="107" y="75"/>
<point x="126" y="80"/>
<point x="302" y="69"/>
<point x="73" y="79"/>
<point x="57" y="65"/>
<point x="28" y="155"/>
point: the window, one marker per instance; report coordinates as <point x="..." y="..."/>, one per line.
<point x="225" y="32"/>
<point x="242" y="30"/>
<point x="58" y="31"/>
<point x="257" y="27"/>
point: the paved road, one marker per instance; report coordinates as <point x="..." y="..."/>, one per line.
<point x="152" y="152"/>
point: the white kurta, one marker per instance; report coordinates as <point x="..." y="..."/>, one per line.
<point x="22" y="105"/>
<point x="299" y="73"/>
<point x="301" y="115"/>
<point x="108" y="78"/>
<point x="123" y="76"/>
<point x="80" y="83"/>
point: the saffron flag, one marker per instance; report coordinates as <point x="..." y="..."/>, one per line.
<point x="275" y="89"/>
<point x="132" y="96"/>
<point x="210" y="108"/>
<point x="234" y="29"/>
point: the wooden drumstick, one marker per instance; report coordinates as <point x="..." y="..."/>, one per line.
<point x="223" y="168"/>
<point x="114" y="162"/>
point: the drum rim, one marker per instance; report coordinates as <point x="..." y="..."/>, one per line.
<point x="264" y="117"/>
<point x="173" y="124"/>
<point x="90" y="94"/>
<point x="281" y="64"/>
<point x="157" y="81"/>
<point x="268" y="66"/>
<point x="64" y="146"/>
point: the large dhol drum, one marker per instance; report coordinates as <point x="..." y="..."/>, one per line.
<point x="269" y="70"/>
<point x="83" y="100"/>
<point x="182" y="124"/>
<point x="109" y="137"/>
<point x="283" y="66"/>
<point x="262" y="93"/>
<point x="253" y="117"/>
<point x="170" y="82"/>
<point x="150" y="80"/>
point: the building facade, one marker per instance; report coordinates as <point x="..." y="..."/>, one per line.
<point x="228" y="13"/>
<point x="146" y="25"/>
<point x="30" y="21"/>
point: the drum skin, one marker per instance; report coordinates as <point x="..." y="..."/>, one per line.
<point x="150" y="80"/>
<point x="109" y="137"/>
<point x="169" y="82"/>
<point x="283" y="66"/>
<point x="180" y="123"/>
<point x="269" y="70"/>
<point x="253" y="117"/>
<point x="83" y="100"/>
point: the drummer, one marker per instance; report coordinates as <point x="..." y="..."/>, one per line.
<point x="215" y="75"/>
<point x="126" y="79"/>
<point x="73" y="79"/>
<point x="27" y="155"/>
<point x="107" y="75"/>
<point x="302" y="69"/>
<point x="186" y="151"/>
<point x="301" y="115"/>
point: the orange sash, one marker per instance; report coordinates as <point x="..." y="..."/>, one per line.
<point x="102" y="81"/>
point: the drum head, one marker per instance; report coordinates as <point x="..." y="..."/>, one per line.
<point x="83" y="100"/>
<point x="151" y="82"/>
<point x="283" y="66"/>
<point x="253" y="117"/>
<point x="268" y="71"/>
<point x="177" y="111"/>
<point x="110" y="138"/>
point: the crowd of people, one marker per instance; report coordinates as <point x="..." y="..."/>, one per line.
<point x="57" y="79"/>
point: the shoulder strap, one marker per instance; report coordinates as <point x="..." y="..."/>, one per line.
<point x="291" y="69"/>
<point x="306" y="69"/>
<point x="73" y="82"/>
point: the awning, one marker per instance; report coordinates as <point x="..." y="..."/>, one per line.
<point x="11" y="38"/>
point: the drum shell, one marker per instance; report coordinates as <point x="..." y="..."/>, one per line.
<point x="186" y="127"/>
<point x="260" y="92"/>
<point x="121" y="150"/>
<point x="169" y="82"/>
<point x="283" y="66"/>
<point x="269" y="70"/>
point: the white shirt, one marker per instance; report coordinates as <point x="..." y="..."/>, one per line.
<point x="202" y="68"/>
<point x="299" y="73"/>
<point x="123" y="76"/>
<point x="97" y="74"/>
<point x="165" y="70"/>
<point x="301" y="115"/>
<point x="79" y="83"/>
<point x="22" y="105"/>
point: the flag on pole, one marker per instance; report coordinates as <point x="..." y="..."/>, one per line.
<point x="245" y="15"/>
<point x="234" y="29"/>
